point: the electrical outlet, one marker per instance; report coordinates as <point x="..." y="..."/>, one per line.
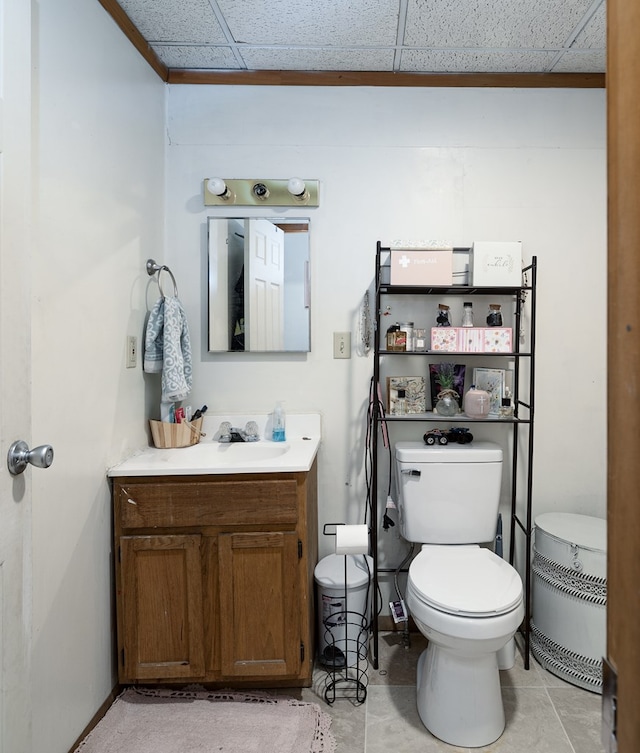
<point x="342" y="344"/>
<point x="132" y="351"/>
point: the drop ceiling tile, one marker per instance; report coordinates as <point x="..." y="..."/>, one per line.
<point x="492" y="23"/>
<point x="300" y="22"/>
<point x="170" y="21"/>
<point x="483" y="61"/>
<point x="582" y="61"/>
<point x="317" y="60"/>
<point x="594" y="34"/>
<point x="194" y="56"/>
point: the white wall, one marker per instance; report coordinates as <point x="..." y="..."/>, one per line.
<point x="401" y="163"/>
<point x="98" y="119"/>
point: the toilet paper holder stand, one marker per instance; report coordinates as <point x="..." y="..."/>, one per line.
<point x="347" y="679"/>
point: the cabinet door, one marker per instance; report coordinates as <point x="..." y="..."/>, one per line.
<point x="161" y="601"/>
<point x="260" y="604"/>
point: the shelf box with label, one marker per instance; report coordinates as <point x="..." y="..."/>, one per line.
<point x="497" y="263"/>
<point x="472" y="339"/>
<point x="424" y="267"/>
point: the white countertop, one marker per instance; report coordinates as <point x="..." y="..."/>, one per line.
<point x="209" y="456"/>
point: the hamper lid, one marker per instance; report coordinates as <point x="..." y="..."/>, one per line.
<point x="465" y="580"/>
<point x="584" y="531"/>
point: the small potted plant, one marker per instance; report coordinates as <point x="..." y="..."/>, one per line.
<point x="447" y="378"/>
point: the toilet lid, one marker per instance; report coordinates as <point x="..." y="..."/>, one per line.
<point x="465" y="580"/>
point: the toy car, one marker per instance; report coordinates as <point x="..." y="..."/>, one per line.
<point x="459" y="435"/>
<point x="435" y="435"/>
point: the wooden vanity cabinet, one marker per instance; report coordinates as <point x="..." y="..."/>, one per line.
<point x="214" y="578"/>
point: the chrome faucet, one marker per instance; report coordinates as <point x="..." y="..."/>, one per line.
<point x="228" y="433"/>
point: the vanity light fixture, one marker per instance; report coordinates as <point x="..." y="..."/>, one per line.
<point x="247" y="192"/>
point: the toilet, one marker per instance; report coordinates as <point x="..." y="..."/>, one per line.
<point x="465" y="599"/>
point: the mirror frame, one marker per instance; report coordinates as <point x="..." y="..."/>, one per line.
<point x="294" y="266"/>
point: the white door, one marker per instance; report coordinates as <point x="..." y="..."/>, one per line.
<point x="15" y="410"/>
<point x="264" y="286"/>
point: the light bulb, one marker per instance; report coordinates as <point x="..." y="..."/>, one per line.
<point x="297" y="188"/>
<point x="218" y="187"/>
<point x="260" y="191"/>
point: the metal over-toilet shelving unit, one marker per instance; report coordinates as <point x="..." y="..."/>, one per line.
<point x="398" y="303"/>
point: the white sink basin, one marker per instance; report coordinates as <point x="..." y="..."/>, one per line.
<point x="250" y="452"/>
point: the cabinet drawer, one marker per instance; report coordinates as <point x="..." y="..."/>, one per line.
<point x="174" y="504"/>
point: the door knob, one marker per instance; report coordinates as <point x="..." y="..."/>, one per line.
<point x="20" y="456"/>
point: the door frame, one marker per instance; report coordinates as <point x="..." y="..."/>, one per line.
<point x="623" y="368"/>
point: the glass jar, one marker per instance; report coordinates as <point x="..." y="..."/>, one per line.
<point x="407" y="328"/>
<point x="494" y="317"/>
<point x="447" y="403"/>
<point x="442" y="320"/>
<point x="467" y="314"/>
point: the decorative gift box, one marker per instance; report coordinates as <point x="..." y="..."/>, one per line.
<point x="415" y="395"/>
<point x="424" y="267"/>
<point x="472" y="339"/>
<point x="496" y="263"/>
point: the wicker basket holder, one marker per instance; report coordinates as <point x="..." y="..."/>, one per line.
<point x="166" y="435"/>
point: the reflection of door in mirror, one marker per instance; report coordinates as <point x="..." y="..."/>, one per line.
<point x="259" y="284"/>
<point x="264" y="294"/>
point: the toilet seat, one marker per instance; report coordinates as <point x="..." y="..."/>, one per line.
<point x="469" y="581"/>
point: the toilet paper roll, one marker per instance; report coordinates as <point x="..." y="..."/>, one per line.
<point x="352" y="539"/>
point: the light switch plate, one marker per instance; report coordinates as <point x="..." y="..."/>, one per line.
<point x="132" y="351"/>
<point x="342" y="344"/>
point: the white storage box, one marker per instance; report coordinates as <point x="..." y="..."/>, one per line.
<point x="424" y="267"/>
<point x="496" y="263"/>
<point x="569" y="624"/>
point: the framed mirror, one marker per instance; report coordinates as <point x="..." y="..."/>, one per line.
<point x="259" y="284"/>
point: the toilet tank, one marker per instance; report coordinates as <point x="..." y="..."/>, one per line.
<point x="448" y="494"/>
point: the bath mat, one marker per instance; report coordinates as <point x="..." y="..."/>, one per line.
<point x="144" y="720"/>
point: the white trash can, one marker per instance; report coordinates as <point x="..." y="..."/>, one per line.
<point x="569" y="590"/>
<point x="343" y="608"/>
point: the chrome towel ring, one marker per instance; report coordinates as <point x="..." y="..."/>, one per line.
<point x="153" y="267"/>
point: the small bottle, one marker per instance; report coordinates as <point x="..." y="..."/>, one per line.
<point x="467" y="314"/>
<point x="506" y="409"/>
<point x="494" y="317"/>
<point x="420" y="338"/>
<point x="278" y="433"/>
<point x="401" y="403"/>
<point x="391" y="336"/>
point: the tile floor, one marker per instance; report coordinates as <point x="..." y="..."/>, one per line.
<point x="544" y="713"/>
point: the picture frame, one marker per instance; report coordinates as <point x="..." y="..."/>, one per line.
<point x="492" y="381"/>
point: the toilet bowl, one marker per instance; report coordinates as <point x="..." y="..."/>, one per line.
<point x="468" y="603"/>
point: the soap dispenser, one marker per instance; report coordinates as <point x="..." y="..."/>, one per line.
<point x="278" y="433"/>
